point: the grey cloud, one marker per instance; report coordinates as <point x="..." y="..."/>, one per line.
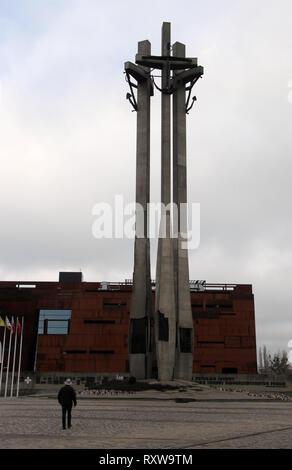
<point x="68" y="142"/>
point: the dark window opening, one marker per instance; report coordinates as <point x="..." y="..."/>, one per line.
<point x="75" y="351"/>
<point x="163" y="330"/>
<point x="185" y="340"/>
<point x="100" y="322"/>
<point x="229" y="370"/>
<point x="99" y="351"/>
<point x="138" y="332"/>
<point x="114" y="305"/>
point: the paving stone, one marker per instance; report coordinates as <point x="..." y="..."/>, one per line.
<point x="35" y="423"/>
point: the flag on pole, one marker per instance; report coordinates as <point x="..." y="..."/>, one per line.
<point x="3" y="357"/>
<point x="14" y="354"/>
<point x="2" y="323"/>
<point x="18" y="327"/>
<point x="13" y="326"/>
<point x="20" y="357"/>
<point x="8" y="324"/>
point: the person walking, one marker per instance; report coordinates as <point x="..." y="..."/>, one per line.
<point x="66" y="398"/>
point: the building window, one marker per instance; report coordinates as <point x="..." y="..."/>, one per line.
<point x="54" y="322"/>
<point x="114" y="304"/>
<point x="229" y="370"/>
<point x="75" y="351"/>
<point x="100" y="322"/>
<point x="99" y="351"/>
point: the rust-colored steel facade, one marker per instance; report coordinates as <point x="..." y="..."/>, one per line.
<point x="96" y="339"/>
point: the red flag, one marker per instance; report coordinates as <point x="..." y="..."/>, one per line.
<point x="18" y="327"/>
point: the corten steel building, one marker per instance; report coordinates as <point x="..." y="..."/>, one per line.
<point x="76" y="326"/>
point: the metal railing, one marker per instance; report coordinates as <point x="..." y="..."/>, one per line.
<point x="195" y="285"/>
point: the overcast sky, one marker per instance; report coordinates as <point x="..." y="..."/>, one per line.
<point x="68" y="136"/>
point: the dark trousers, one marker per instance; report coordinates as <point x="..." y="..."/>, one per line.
<point x="66" y="409"/>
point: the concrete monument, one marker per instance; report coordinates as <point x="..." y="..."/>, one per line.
<point x="173" y="324"/>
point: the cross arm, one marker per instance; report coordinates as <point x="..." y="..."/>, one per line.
<point x="158" y="62"/>
<point x="188" y="75"/>
<point x="136" y="72"/>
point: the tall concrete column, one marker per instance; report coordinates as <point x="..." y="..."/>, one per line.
<point x="173" y="316"/>
<point x="185" y="342"/>
<point x="165" y="315"/>
<point x="141" y="314"/>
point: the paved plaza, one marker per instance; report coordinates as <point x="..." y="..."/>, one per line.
<point x="154" y="421"/>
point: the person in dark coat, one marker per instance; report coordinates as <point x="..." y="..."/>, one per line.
<point x="66" y="398"/>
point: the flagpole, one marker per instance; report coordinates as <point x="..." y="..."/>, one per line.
<point x="14" y="355"/>
<point x="2" y="363"/>
<point x="8" y="360"/>
<point x="19" y="361"/>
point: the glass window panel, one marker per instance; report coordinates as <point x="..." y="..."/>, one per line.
<point x="57" y="327"/>
<point x="57" y="324"/>
<point x="55" y="314"/>
<point x="54" y="326"/>
<point x="57" y="331"/>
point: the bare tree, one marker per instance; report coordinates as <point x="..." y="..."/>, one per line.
<point x="276" y="364"/>
<point x="260" y="360"/>
<point x="266" y="360"/>
<point x="279" y="363"/>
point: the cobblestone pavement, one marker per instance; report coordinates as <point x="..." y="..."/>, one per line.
<point x="35" y="423"/>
